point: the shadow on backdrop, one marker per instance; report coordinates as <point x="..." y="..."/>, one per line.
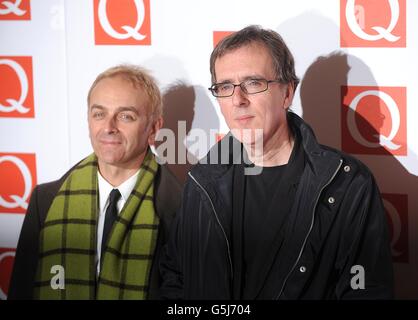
<point x="178" y="105"/>
<point x="188" y="110"/>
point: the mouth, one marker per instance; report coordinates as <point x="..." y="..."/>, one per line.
<point x="109" y="142"/>
<point x="244" y="119"/>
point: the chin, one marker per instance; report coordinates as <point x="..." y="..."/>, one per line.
<point x="248" y="136"/>
<point x="110" y="159"/>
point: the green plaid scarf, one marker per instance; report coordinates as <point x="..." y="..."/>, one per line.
<point x="68" y="239"/>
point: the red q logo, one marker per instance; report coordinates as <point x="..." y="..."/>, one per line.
<point x="373" y="23"/>
<point x="14" y="10"/>
<point x="16" y="91"/>
<point x="122" y="22"/>
<point x="6" y="266"/>
<point x="396" y="207"/>
<point x="373" y="120"/>
<point x="219" y="35"/>
<point x="18" y="172"/>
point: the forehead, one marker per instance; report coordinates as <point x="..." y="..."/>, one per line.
<point x="117" y="89"/>
<point x="115" y="83"/>
<point x="253" y="59"/>
<point x="114" y="93"/>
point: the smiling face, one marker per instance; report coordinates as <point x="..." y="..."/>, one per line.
<point x="247" y="112"/>
<point x="120" y="125"/>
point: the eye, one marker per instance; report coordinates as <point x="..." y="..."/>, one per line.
<point x="98" y="114"/>
<point x="254" y="83"/>
<point x="223" y="87"/>
<point x="126" y="116"/>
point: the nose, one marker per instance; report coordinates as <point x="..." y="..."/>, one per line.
<point x="111" y="125"/>
<point x="239" y="97"/>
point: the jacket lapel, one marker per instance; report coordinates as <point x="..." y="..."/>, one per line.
<point x="298" y="228"/>
<point x="268" y="281"/>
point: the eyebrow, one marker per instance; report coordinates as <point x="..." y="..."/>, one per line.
<point x="129" y="108"/>
<point x="253" y="76"/>
<point x="119" y="109"/>
<point x="96" y="106"/>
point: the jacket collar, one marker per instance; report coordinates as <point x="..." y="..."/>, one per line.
<point x="227" y="152"/>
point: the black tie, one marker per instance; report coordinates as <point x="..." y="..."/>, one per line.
<point x="110" y="217"/>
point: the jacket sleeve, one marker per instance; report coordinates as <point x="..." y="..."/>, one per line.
<point x="170" y="263"/>
<point x="26" y="258"/>
<point x="365" y="260"/>
<point x="171" y="268"/>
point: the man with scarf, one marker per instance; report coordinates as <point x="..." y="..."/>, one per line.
<point x="97" y="232"/>
<point x="270" y="213"/>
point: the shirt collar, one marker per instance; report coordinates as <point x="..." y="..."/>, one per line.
<point x="125" y="188"/>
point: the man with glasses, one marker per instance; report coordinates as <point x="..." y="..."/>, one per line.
<point x="309" y="225"/>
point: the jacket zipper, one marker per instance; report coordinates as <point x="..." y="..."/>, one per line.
<point x="217" y="219"/>
<point x="309" y="231"/>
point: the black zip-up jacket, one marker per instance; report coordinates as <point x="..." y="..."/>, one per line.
<point x="336" y="245"/>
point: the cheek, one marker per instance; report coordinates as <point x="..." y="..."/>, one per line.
<point x="95" y="133"/>
<point x="226" y="111"/>
<point x="270" y="106"/>
<point x="138" y="137"/>
<point x="92" y="130"/>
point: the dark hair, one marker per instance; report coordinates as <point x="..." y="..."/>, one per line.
<point x="283" y="61"/>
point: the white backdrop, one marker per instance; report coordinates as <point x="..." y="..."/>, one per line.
<point x="66" y="44"/>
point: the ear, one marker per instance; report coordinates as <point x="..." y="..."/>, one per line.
<point x="290" y="91"/>
<point x="155" y="127"/>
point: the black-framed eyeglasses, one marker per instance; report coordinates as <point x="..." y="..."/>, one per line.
<point x="250" y="86"/>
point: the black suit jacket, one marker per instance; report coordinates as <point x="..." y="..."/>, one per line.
<point x="167" y="199"/>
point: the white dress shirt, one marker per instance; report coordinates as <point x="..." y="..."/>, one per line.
<point x="105" y="188"/>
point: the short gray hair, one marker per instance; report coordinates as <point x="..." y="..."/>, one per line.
<point x="140" y="78"/>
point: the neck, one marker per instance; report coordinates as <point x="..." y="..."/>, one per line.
<point x="116" y="175"/>
<point x="275" y="151"/>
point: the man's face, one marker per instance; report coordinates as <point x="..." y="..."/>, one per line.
<point x="119" y="123"/>
<point x="265" y="110"/>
